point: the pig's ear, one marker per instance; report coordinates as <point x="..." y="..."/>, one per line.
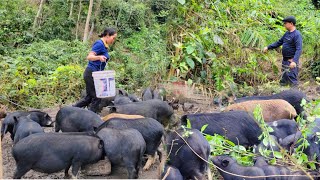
<point x="46" y="115"/>
<point x="314" y="138"/>
<point x="225" y="163"/>
<point x="101" y="144"/>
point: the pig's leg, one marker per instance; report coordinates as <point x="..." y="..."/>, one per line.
<point x="66" y="172"/>
<point x="132" y="172"/>
<point x="21" y="170"/>
<point x="75" y="170"/>
<point x="131" y="162"/>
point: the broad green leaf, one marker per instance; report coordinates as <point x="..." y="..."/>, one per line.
<point x="277" y="154"/>
<point x="190" y="49"/>
<point x="203" y="74"/>
<point x="189" y="82"/>
<point x="265" y="141"/>
<point x="190" y="62"/>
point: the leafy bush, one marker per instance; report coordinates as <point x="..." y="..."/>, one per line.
<point x="140" y="60"/>
<point x="14" y="24"/>
<point x="44" y="73"/>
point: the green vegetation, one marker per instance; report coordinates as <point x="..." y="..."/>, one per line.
<point x="213" y="43"/>
<point x="297" y="160"/>
<point x="44" y="73"/>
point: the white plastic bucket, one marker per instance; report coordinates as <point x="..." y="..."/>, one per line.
<point x="104" y="83"/>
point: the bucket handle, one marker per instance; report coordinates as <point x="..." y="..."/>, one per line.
<point x="101" y="64"/>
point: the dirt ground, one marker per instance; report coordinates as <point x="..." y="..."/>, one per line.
<point x="201" y="104"/>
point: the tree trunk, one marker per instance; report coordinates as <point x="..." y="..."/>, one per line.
<point x="91" y="30"/>
<point x="71" y="9"/>
<point x="78" y="20"/>
<point x="95" y="18"/>
<point x="35" y="22"/>
<point x="86" y="28"/>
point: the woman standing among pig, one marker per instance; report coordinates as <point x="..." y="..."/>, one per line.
<point x="98" y="58"/>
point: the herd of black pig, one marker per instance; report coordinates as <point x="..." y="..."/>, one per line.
<point x="132" y="136"/>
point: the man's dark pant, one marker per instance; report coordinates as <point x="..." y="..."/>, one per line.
<point x="91" y="93"/>
<point x="289" y="76"/>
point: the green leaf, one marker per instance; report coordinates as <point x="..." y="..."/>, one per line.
<point x="190" y="49"/>
<point x="273" y="161"/>
<point x="183" y="65"/>
<point x="265" y="141"/>
<point x="204" y="127"/>
<point x="241" y="148"/>
<point x="189" y="82"/>
<point x="190" y="62"/>
<point x="303" y="102"/>
<point x="182" y="2"/>
<point x="277" y="154"/>
<point x="198" y="59"/>
<point x="217" y="40"/>
<point x="304" y="157"/>
<point x="209" y="138"/>
<point x="270" y="129"/>
<point x="211" y="55"/>
<point x="203" y="74"/>
<point x="312" y="165"/>
<point x="230" y="143"/>
<point x="188" y="123"/>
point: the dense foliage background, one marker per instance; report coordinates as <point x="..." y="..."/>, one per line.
<point x="214" y="43"/>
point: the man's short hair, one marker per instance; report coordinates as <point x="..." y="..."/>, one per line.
<point x="290" y="19"/>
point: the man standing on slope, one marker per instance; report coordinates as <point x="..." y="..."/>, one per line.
<point x="291" y="43"/>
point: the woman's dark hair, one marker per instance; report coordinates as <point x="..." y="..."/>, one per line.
<point x="109" y="32"/>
